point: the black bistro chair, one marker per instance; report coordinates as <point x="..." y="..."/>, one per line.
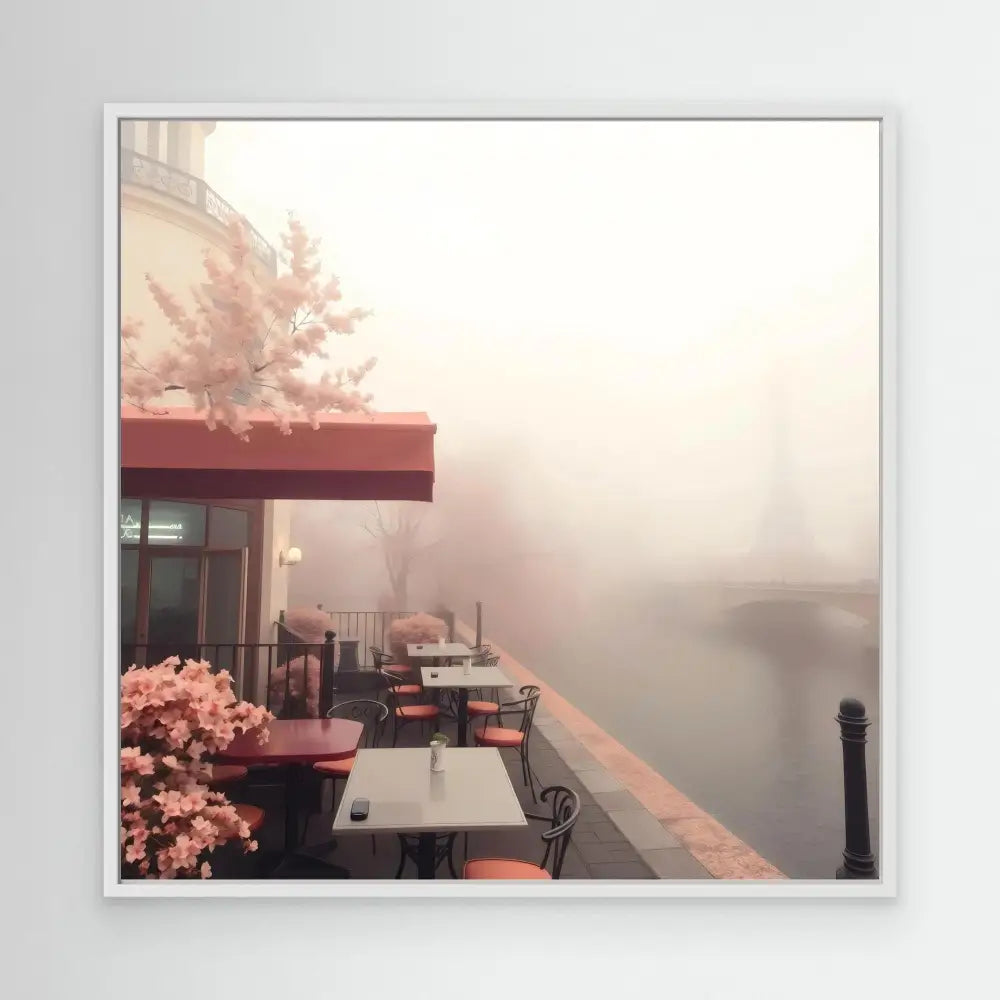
<point x="383" y="660"/>
<point x="372" y="715"/>
<point x="517" y="739"/>
<point x="404" y="714"/>
<point x="565" y="812"/>
<point x="481" y="705"/>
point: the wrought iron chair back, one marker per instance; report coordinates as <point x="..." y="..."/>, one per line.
<point x="527" y="703"/>
<point x="369" y="712"/>
<point x="379" y="657"/>
<point x="486" y="661"/>
<point x="387" y="681"/>
<point x="565" y="813"/>
<point x="394" y="703"/>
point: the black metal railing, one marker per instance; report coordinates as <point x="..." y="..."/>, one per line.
<point x="370" y="628"/>
<point x="157" y="176"/>
<point x="300" y="679"/>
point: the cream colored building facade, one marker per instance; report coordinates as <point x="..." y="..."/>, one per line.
<point x="169" y="218"/>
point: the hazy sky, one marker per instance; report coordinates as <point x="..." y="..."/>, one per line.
<point x="628" y="308"/>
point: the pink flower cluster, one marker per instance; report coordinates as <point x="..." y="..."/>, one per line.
<point x="248" y="338"/>
<point x="415" y="628"/>
<point x="171" y="716"/>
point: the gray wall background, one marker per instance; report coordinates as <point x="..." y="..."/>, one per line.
<point x="935" y="65"/>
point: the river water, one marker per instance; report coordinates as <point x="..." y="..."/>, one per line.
<point x="735" y="710"/>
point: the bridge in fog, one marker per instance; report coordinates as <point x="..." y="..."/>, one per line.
<point x="860" y="599"/>
<point x="713" y="597"/>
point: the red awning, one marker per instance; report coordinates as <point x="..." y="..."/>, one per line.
<point x="384" y="456"/>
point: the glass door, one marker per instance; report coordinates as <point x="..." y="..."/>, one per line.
<point x="174" y="606"/>
<point x="224" y="588"/>
<point x="129" y="580"/>
<point x="184" y="581"/>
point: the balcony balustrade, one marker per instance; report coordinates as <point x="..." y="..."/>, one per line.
<point x="142" y="171"/>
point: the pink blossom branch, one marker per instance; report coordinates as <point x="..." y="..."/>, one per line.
<point x="243" y="326"/>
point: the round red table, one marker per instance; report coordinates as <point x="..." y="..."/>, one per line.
<point x="295" y="744"/>
<point x="296" y="741"/>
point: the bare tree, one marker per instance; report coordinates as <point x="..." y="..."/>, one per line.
<point x="398" y="535"/>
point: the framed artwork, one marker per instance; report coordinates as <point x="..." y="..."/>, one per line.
<point x="499" y="501"/>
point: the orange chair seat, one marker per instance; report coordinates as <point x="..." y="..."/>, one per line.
<point x="505" y="868"/>
<point x="251" y="815"/>
<point x="417" y="711"/>
<point x="335" y="768"/>
<point x="483" y="708"/>
<point x="222" y="773"/>
<point x="407" y="689"/>
<point x="494" y="736"/>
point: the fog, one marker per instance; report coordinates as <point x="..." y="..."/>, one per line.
<point x="651" y="352"/>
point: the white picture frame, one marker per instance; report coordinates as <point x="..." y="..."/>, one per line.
<point x="884" y="886"/>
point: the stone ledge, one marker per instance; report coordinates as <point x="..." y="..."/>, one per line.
<point x="642" y="829"/>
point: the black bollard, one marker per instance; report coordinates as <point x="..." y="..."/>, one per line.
<point x="859" y="862"/>
<point x="326" y="667"/>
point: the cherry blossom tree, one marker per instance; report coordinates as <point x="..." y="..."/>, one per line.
<point x="244" y="347"/>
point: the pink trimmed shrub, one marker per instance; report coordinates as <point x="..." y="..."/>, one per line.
<point x="416" y="628"/>
<point x="310" y="624"/>
<point x="276" y="689"/>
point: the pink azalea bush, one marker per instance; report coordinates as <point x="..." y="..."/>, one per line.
<point x="245" y="345"/>
<point x="172" y="716"/>
<point x="303" y="702"/>
<point x="414" y="628"/>
<point x="310" y="624"/>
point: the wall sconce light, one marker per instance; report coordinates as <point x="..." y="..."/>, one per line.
<point x="291" y="557"/>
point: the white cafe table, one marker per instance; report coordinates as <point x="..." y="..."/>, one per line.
<point x="473" y="792"/>
<point x="457" y="678"/>
<point x="437" y="650"/>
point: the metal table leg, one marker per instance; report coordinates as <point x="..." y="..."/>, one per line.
<point x="293" y="787"/>
<point x="463" y="717"/>
<point x="426" y="850"/>
<point x="296" y="863"/>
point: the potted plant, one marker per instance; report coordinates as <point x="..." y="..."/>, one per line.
<point x="438" y="742"/>
<point x="172" y="716"/>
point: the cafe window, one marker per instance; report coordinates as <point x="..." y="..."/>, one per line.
<point x="175" y="523"/>
<point x="228" y="528"/>
<point x="130" y="522"/>
<point x="190" y="578"/>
